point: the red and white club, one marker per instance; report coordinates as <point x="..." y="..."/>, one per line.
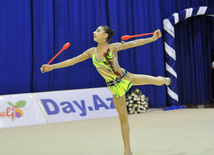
<point x="63" y="48"/>
<point x="127" y="37"/>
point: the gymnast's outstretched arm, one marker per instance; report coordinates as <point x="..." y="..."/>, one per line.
<point x="70" y="62"/>
<point x="137" y="42"/>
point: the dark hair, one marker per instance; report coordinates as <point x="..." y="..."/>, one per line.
<point x="109" y="31"/>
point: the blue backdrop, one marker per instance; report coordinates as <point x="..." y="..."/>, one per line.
<point x="33" y="31"/>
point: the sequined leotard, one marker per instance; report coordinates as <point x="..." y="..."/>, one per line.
<point x="118" y="80"/>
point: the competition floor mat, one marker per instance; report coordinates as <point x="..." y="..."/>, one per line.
<point x="175" y="132"/>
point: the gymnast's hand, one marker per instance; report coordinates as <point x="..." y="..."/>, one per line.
<point x="156" y="35"/>
<point x="46" y="68"/>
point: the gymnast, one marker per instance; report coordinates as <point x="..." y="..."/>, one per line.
<point x="118" y="80"/>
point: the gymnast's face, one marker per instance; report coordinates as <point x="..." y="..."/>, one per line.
<point x="99" y="35"/>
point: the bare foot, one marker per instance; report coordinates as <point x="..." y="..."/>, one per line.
<point x="129" y="153"/>
<point x="167" y="81"/>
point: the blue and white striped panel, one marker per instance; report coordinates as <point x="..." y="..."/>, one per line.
<point x="170" y="48"/>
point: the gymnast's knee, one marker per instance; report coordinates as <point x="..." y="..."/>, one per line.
<point x="123" y="118"/>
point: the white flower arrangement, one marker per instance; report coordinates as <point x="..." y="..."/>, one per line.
<point x="137" y="102"/>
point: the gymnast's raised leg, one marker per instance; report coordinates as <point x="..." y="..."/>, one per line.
<point x="120" y="105"/>
<point x="147" y="79"/>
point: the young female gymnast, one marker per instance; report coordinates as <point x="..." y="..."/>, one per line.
<point x="119" y="81"/>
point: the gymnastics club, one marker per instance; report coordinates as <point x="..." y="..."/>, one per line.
<point x="127" y="37"/>
<point x="63" y="48"/>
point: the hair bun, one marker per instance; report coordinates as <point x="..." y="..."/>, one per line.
<point x="112" y="32"/>
<point x="109" y="31"/>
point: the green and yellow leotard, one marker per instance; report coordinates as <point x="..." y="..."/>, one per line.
<point x="118" y="80"/>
